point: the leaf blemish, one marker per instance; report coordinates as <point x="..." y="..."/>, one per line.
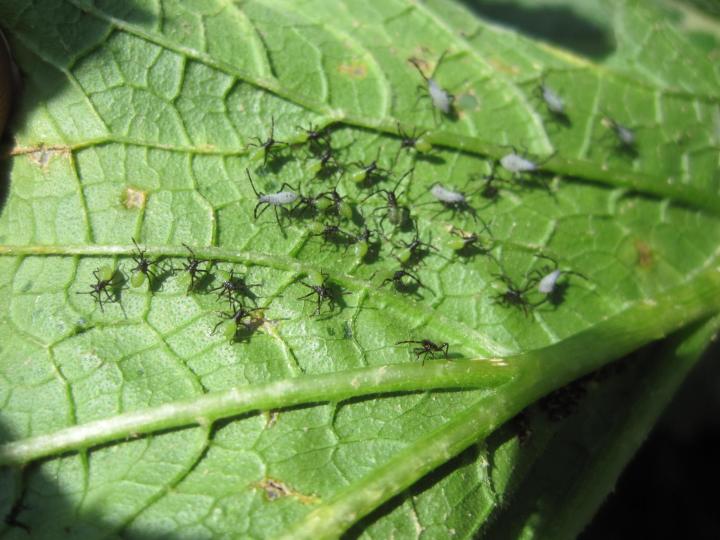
<point x="40" y="155"/>
<point x="275" y="489"/>
<point x="644" y="254"/>
<point x="503" y="67"/>
<point x="133" y="198"/>
<point x="271" y="418"/>
<point x="356" y="69"/>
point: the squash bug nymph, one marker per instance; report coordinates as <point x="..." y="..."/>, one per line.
<point x="412" y="141"/>
<point x="554" y="103"/>
<point x="333" y="202"/>
<point x="323" y="290"/>
<point x="105" y="280"/>
<point x="397" y="278"/>
<point x="468" y="244"/>
<point x="394" y="212"/>
<point x="549" y="284"/>
<point x="365" y="247"/>
<point x="325" y="164"/>
<point x="330" y="233"/>
<point x="369" y="173"/>
<point x="490" y="189"/>
<point x="515" y="163"/>
<point x="192" y="268"/>
<point x="514" y="295"/>
<point x="235" y="322"/>
<point x="142" y="268"/>
<point x="314" y="136"/>
<point x="456" y="201"/>
<point x="415" y="250"/>
<point x="427" y="348"/>
<point x="232" y="286"/>
<point x="279" y="199"/>
<point x="267" y="147"/>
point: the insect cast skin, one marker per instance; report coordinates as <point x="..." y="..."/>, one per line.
<point x="448" y="196"/>
<point x="547" y="283"/>
<point x="552" y="99"/>
<point x="515" y="163"/>
<point x="441" y="99"/>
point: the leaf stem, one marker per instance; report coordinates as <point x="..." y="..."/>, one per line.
<point x="545" y="369"/>
<point x="333" y="518"/>
<point x="205" y="409"/>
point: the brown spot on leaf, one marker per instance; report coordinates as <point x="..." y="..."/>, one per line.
<point x="644" y="254"/>
<point x="133" y="198"/>
<point x="355" y="69"/>
<point x="503" y="67"/>
<point x="275" y="489"/>
<point x="39" y="155"/>
<point x="271" y="418"/>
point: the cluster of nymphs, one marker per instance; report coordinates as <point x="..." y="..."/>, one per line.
<point x="339" y="222"/>
<point x="238" y="320"/>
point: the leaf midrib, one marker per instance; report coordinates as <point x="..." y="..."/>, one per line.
<point x="472" y="339"/>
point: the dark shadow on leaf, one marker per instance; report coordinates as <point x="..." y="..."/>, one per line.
<point x="35" y="501"/>
<point x="466" y="458"/>
<point x="559" y="25"/>
<point x="33" y="90"/>
<point x="34" y="506"/>
<point x="555" y="437"/>
<point x="430" y="158"/>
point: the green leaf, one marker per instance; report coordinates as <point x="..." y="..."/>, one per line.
<point x="137" y="123"/>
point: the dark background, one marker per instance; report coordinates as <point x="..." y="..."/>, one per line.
<point x="669" y="489"/>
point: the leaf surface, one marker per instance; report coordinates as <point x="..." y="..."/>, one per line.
<point x="137" y="121"/>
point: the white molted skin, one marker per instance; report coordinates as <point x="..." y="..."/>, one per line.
<point x="553" y="101"/>
<point x="440" y="98"/>
<point x="447" y="196"/>
<point x="547" y="284"/>
<point x="626" y="135"/>
<point x="516" y="164"/>
<point x="280" y="198"/>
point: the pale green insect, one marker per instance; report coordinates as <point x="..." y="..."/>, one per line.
<point x="142" y="267"/>
<point x="368" y="172"/>
<point x="465" y="242"/>
<point x="332" y="200"/>
<point x="413" y="141"/>
<point x="325" y="164"/>
<point x="395" y="212"/>
<point x="240" y="320"/>
<point x="362" y="243"/>
<point x="414" y="250"/>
